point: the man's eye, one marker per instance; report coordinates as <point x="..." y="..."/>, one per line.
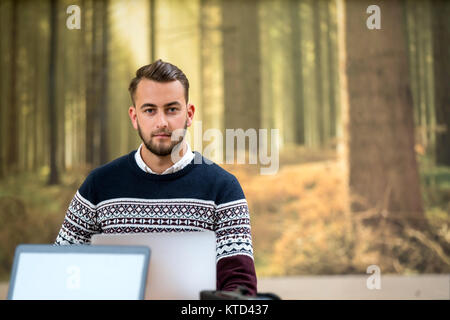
<point x="149" y="110"/>
<point x="172" y="109"/>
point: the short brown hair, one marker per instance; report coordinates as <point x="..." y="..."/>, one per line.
<point x="159" y="71"/>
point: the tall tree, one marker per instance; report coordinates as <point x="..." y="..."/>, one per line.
<point x="419" y="32"/>
<point x="441" y="46"/>
<point x="12" y="150"/>
<point x="36" y="89"/>
<point x="152" y="5"/>
<point x="52" y="108"/>
<point x="296" y="38"/>
<point x="280" y="76"/>
<point x="103" y="105"/>
<point x="96" y="43"/>
<point x="211" y="71"/>
<point x="310" y="67"/>
<point x="2" y="77"/>
<point x="241" y="64"/>
<point x="62" y="91"/>
<point x="332" y="65"/>
<point x="90" y="31"/>
<point x="318" y="55"/>
<point x="380" y="141"/>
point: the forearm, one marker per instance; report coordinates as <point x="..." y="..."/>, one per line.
<point x="234" y="271"/>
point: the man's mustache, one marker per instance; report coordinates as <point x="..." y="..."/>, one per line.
<point x="178" y="132"/>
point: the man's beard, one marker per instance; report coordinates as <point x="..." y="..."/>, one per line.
<point x="161" y="149"/>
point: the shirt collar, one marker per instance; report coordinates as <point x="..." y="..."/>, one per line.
<point x="177" y="166"/>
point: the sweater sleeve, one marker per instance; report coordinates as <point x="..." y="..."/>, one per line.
<point x="80" y="220"/>
<point x="235" y="265"/>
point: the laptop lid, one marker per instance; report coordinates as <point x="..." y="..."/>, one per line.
<point x="182" y="264"/>
<point x="79" y="272"/>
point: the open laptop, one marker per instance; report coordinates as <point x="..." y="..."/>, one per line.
<point x="182" y="264"/>
<point x="79" y="272"/>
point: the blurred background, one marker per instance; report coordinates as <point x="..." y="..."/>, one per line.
<point x="363" y="116"/>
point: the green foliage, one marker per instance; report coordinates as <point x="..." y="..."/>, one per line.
<point x="435" y="182"/>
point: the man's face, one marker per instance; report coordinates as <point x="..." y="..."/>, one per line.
<point x="160" y="108"/>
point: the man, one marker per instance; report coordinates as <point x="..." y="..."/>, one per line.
<point x="164" y="186"/>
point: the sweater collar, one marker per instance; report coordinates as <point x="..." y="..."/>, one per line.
<point x="177" y="166"/>
<point x="198" y="159"/>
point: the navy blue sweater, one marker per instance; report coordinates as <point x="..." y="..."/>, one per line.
<point x="121" y="198"/>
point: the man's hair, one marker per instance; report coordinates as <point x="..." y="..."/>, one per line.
<point x="159" y="71"/>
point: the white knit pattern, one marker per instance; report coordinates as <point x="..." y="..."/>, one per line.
<point x="230" y="221"/>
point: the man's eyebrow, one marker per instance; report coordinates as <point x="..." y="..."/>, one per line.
<point x="148" y="105"/>
<point x="166" y="105"/>
<point x="173" y="103"/>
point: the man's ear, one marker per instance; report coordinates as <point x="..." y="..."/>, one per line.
<point x="190" y="114"/>
<point x="133" y="116"/>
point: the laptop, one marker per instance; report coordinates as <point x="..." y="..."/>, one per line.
<point x="182" y="264"/>
<point x="79" y="272"/>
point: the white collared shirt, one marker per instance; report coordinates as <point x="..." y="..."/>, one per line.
<point x="177" y="166"/>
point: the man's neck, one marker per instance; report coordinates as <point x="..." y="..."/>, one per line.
<point x="159" y="164"/>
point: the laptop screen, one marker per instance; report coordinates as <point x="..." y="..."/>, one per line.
<point x="183" y="263"/>
<point x="79" y="272"/>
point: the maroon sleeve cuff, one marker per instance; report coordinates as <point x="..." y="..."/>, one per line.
<point x="234" y="271"/>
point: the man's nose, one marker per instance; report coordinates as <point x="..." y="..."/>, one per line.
<point x="161" y="121"/>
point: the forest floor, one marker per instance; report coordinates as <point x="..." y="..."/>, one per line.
<point x="301" y="223"/>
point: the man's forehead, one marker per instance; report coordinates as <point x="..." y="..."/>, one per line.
<point x="159" y="91"/>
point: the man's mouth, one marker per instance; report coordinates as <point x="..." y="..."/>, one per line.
<point x="161" y="135"/>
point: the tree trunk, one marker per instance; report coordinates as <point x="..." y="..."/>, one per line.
<point x="280" y="76"/>
<point x="241" y="64"/>
<point x="103" y="105"/>
<point x="309" y="73"/>
<point x="36" y="92"/>
<point x="382" y="162"/>
<point x="152" y="5"/>
<point x="2" y="82"/>
<point x="12" y="151"/>
<point x="332" y="69"/>
<point x="90" y="90"/>
<point x="297" y="72"/>
<point x="319" y="79"/>
<point x="212" y="111"/>
<point x="441" y="41"/>
<point x="52" y="108"/>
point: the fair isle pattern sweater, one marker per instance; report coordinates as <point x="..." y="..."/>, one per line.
<point x="121" y="198"/>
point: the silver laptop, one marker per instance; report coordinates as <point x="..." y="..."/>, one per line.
<point x="79" y="272"/>
<point x="182" y="264"/>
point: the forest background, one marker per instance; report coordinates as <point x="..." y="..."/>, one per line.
<point x="363" y="116"/>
